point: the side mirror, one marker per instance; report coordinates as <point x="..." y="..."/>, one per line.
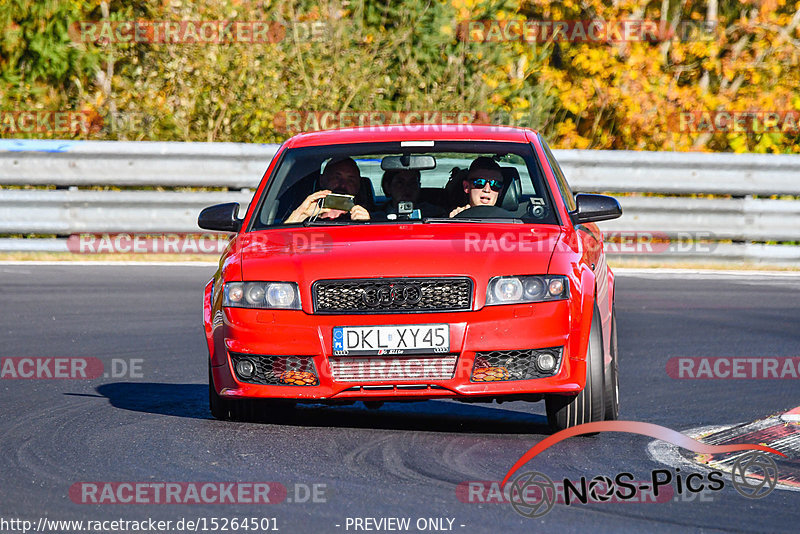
<point x="594" y="208"/>
<point x="221" y="217"/>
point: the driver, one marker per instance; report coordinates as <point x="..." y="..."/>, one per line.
<point x="482" y="185"/>
<point x="340" y="176"/>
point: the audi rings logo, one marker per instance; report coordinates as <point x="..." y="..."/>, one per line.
<point x="532" y="494"/>
<point x="387" y="295"/>
<point x="754" y="475"/>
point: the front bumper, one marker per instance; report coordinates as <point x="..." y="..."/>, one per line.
<point x="493" y="328"/>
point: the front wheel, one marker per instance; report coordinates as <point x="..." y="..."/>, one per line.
<point x="254" y="410"/>
<point x="220" y="407"/>
<point x="588" y="405"/>
<point x="612" y="376"/>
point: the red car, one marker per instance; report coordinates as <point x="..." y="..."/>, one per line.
<point x="411" y="263"/>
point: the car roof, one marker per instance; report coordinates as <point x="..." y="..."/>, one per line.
<point x="413" y="132"/>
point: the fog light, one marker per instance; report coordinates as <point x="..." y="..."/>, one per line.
<point x="546" y="362"/>
<point x="245" y="368"/>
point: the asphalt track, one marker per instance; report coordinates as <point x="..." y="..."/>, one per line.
<point x="404" y="460"/>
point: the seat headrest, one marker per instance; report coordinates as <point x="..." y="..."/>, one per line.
<point x="454" y="192"/>
<point x="512" y="189"/>
<point x="366" y="194"/>
<point x="433" y="195"/>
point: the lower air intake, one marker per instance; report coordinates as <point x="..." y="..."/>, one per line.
<point x="278" y="370"/>
<point x="503" y="365"/>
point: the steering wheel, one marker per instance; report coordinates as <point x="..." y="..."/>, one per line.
<point x="485" y="212"/>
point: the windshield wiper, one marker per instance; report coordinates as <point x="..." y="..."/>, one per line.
<point x="325" y="222"/>
<point x="472" y="220"/>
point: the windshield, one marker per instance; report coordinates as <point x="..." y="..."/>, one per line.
<point x="401" y="182"/>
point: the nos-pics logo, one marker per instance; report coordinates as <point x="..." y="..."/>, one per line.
<point x="533" y="494"/>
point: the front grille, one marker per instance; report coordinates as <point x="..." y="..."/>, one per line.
<point x="392" y="295"/>
<point x="352" y="369"/>
<point x="278" y="370"/>
<point x="503" y="365"/>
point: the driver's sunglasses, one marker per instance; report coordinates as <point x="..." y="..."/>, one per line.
<point x="480" y="183"/>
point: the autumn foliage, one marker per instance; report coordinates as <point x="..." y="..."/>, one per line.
<point x="716" y="76"/>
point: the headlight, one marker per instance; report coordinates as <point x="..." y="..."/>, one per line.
<point x="520" y="289"/>
<point x="262" y="295"/>
<point x="282" y="295"/>
<point x="507" y="290"/>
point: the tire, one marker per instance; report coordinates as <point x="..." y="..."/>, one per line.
<point x="588" y="405"/>
<point x="220" y="408"/>
<point x="255" y="410"/>
<point x="611" y="378"/>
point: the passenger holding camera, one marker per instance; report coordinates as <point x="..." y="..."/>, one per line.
<point x="341" y="177"/>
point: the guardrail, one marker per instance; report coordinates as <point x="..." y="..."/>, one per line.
<point x="132" y="163"/>
<point x="627" y="171"/>
<point x="683" y="178"/>
<point x="66" y="212"/>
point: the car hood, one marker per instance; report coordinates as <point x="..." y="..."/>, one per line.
<point x="479" y="250"/>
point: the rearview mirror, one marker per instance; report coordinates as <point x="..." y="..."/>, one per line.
<point x="221" y="217"/>
<point x="408" y="162"/>
<point x="594" y="208"/>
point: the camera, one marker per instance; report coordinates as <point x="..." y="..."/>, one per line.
<point x="405" y="211"/>
<point x="338" y="202"/>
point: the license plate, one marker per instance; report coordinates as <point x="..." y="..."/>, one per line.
<point x="396" y="339"/>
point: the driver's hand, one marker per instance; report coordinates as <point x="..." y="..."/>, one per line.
<point x="307" y="208"/>
<point x="458" y="210"/>
<point x="359" y="213"/>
